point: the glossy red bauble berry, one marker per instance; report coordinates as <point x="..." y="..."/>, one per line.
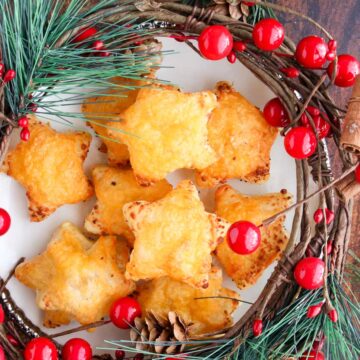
<point x="2" y="353"/>
<point x="318" y="216"/>
<point x="231" y="58"/>
<point x="309" y="273"/>
<point x="314" y="310"/>
<point x="329" y="216"/>
<point x="98" y="45"/>
<point x="268" y="34"/>
<point x="311" y="52"/>
<point x="329" y="247"/>
<point x="257" y="327"/>
<point x="23" y="122"/>
<point x="76" y="349"/>
<point x="25" y="134"/>
<point x="275" y="113"/>
<point x="300" y="142"/>
<point x="119" y="354"/>
<point x="2" y="315"/>
<point x="313" y="355"/>
<point x="321" y="121"/>
<point x="332" y="45"/>
<point x="347" y="69"/>
<point x="9" y="75"/>
<point x="330" y="56"/>
<point x="243" y="237"/>
<point x="333" y="315"/>
<point x="215" y="42"/>
<point x="239" y="46"/>
<point x="124" y="311"/>
<point x="357" y="173"/>
<point x="40" y="349"/>
<point x="5" y="221"/>
<point x="84" y="34"/>
<point x="291" y="72"/>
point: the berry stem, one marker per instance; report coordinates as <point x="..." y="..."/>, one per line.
<point x="80" y="328"/>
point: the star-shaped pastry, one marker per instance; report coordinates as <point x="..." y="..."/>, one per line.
<point x="232" y="206"/>
<point x="114" y="188"/>
<point x="100" y="110"/>
<point x="174" y="237"/>
<point x="163" y="295"/>
<point x="50" y="167"/>
<point x="76" y="278"/>
<point x="166" y="130"/>
<point x="241" y="138"/>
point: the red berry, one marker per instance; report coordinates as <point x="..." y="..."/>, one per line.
<point x="124" y="311"/>
<point x="243" y="237"/>
<point x="25" y="134"/>
<point x="84" y="34"/>
<point x="329" y="216"/>
<point x="40" y="349"/>
<point x="329" y="247"/>
<point x="231" y="58"/>
<point x="5" y="221"/>
<point x="313" y="111"/>
<point x="2" y="353"/>
<point x="257" y="327"/>
<point x="309" y="273"/>
<point x="311" y="52"/>
<point x="318" y="216"/>
<point x="275" y="113"/>
<point x="320" y="119"/>
<point x="12" y="340"/>
<point x="2" y="69"/>
<point x="98" y="45"/>
<point x="248" y="3"/>
<point x="32" y="107"/>
<point x="2" y="315"/>
<point x="23" y="122"/>
<point x="346" y="71"/>
<point x="333" y="315"/>
<point x="105" y="53"/>
<point x="330" y="56"/>
<point x="357" y="173"/>
<point x="268" y="34"/>
<point x="138" y="357"/>
<point x="300" y="142"/>
<point x="77" y="349"/>
<point x="314" y="310"/>
<point x="215" y="42"/>
<point x="313" y="355"/>
<point x="9" y="75"/>
<point x="119" y="354"/>
<point x="332" y="45"/>
<point x="239" y="46"/>
<point x="291" y="72"/>
<point x="318" y="344"/>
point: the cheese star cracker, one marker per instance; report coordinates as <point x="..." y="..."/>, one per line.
<point x="232" y="206"/>
<point x="99" y="110"/>
<point x="114" y="188"/>
<point x="50" y="167"/>
<point x="163" y="295"/>
<point x="166" y="130"/>
<point x="76" y="278"/>
<point x="242" y="139"/>
<point x="174" y="237"/>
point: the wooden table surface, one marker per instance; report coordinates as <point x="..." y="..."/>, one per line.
<point x="342" y="20"/>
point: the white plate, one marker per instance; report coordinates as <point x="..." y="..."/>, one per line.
<point x="192" y="73"/>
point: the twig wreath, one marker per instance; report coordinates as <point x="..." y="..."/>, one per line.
<point x="44" y="44"/>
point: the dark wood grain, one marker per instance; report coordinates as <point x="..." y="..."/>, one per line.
<point x="342" y="19"/>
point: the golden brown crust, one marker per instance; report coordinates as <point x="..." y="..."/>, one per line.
<point x="50" y="167"/>
<point x="114" y="188"/>
<point x="235" y="129"/>
<point x="75" y="278"/>
<point x="166" y="130"/>
<point x="174" y="237"/>
<point x="232" y="206"/>
<point x="207" y="315"/>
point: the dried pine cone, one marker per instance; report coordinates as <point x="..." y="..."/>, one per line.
<point x="155" y="328"/>
<point x="235" y="8"/>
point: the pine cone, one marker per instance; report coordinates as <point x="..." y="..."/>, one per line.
<point x="159" y="329"/>
<point x="233" y="8"/>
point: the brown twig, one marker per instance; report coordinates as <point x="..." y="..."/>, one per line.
<point x="80" y="328"/>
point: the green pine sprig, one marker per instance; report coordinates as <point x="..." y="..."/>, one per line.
<point x="36" y="40"/>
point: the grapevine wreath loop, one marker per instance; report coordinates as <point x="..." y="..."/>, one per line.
<point x="286" y="321"/>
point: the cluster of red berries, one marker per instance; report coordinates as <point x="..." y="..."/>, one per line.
<point x="98" y="46"/>
<point x="23" y="123"/>
<point x="6" y="75"/>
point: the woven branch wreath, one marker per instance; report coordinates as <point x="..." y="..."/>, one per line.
<point x="283" y="317"/>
